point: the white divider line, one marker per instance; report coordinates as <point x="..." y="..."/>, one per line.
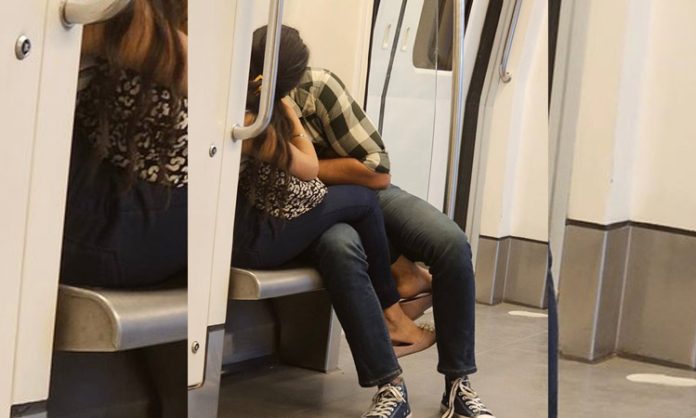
<point x="661" y="379"/>
<point x="528" y="314"/>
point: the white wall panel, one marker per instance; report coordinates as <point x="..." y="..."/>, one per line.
<point x="217" y="85"/>
<point x="44" y="233"/>
<point x="515" y="196"/>
<point x="633" y="137"/>
<point x="19" y="82"/>
<point x="337" y="33"/>
<point x="663" y="174"/>
<point x="530" y="201"/>
<point x="593" y="166"/>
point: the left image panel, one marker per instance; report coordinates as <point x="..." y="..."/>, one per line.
<point x="93" y="241"/>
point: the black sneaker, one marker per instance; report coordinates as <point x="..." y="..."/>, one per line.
<point x="463" y="402"/>
<point x="391" y="401"/>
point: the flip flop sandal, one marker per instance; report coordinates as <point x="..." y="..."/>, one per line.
<point x="426" y="340"/>
<point x="415" y="307"/>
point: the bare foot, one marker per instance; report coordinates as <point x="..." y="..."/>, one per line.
<point x="411" y="279"/>
<point x="401" y="328"/>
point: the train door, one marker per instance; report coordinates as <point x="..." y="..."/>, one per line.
<point x="501" y="177"/>
<point x="409" y="92"/>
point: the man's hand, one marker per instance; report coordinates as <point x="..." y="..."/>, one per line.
<point x="351" y="171"/>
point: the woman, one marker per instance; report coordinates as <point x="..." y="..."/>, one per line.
<point x="125" y="222"/>
<point x="284" y="207"/>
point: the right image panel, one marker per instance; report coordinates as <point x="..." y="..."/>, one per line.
<point x="622" y="224"/>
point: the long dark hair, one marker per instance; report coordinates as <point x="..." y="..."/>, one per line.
<point x="293" y="57"/>
<point x="167" y="17"/>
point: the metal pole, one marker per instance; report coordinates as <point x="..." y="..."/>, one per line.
<point x="270" y="71"/>
<point x="457" y="109"/>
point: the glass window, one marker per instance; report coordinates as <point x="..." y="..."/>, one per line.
<point x="433" y="46"/>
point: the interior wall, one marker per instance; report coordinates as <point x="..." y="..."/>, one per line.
<point x="530" y="201"/>
<point x="337" y="33"/>
<point x="596" y="156"/>
<point x="515" y="197"/>
<point x="632" y="140"/>
<point x="663" y="191"/>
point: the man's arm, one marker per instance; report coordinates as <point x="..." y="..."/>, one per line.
<point x="348" y="170"/>
<point x="346" y="127"/>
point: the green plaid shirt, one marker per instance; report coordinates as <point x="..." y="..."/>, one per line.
<point x="335" y="123"/>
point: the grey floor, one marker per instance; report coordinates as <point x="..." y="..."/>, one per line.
<point x="511" y="356"/>
<point x="602" y="391"/>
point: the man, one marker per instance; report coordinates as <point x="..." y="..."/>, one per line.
<point x="351" y="151"/>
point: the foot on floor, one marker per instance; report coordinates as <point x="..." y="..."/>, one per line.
<point x="461" y="401"/>
<point x="391" y="401"/>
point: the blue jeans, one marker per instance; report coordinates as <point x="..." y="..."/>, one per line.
<point x="421" y="233"/>
<point x="265" y="242"/>
<point x="116" y="238"/>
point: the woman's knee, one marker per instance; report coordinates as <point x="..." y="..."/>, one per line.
<point x="359" y="195"/>
<point x="340" y="242"/>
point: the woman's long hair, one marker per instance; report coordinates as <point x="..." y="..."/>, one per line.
<point x="293" y="58"/>
<point x="167" y="17"/>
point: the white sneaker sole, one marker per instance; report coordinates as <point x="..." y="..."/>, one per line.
<point x="443" y="409"/>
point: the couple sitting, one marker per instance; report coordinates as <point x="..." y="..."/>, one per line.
<point x="339" y="212"/>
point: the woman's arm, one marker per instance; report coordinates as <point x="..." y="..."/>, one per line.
<point x="305" y="164"/>
<point x="136" y="44"/>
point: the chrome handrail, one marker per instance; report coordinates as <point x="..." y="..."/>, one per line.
<point x="84" y="12"/>
<point x="457" y="109"/>
<point x="270" y="71"/>
<point x="504" y="73"/>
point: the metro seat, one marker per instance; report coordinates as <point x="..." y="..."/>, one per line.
<point x="110" y="320"/>
<point x="284" y="313"/>
<point x="287" y="312"/>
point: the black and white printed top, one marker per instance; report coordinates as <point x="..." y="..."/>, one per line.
<point x="278" y="193"/>
<point x="152" y="129"/>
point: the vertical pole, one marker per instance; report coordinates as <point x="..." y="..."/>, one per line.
<point x="457" y="109"/>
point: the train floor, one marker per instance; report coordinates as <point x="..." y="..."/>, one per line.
<point x="603" y="391"/>
<point x="512" y="361"/>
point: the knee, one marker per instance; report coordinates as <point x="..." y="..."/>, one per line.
<point x="340" y="258"/>
<point x="365" y="196"/>
<point x="340" y="244"/>
<point x="454" y="243"/>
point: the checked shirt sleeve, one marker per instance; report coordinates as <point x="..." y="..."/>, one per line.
<point x="347" y="128"/>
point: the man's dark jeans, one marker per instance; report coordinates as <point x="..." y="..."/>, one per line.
<point x="421" y="233"/>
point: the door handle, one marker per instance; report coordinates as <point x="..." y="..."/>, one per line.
<point x="404" y="40"/>
<point x="84" y="12"/>
<point x="386" y="39"/>
<point x="270" y="71"/>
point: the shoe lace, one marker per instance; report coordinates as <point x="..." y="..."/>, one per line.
<point x="469" y="396"/>
<point x="385" y="401"/>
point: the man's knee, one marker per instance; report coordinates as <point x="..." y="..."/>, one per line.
<point x="453" y="242"/>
